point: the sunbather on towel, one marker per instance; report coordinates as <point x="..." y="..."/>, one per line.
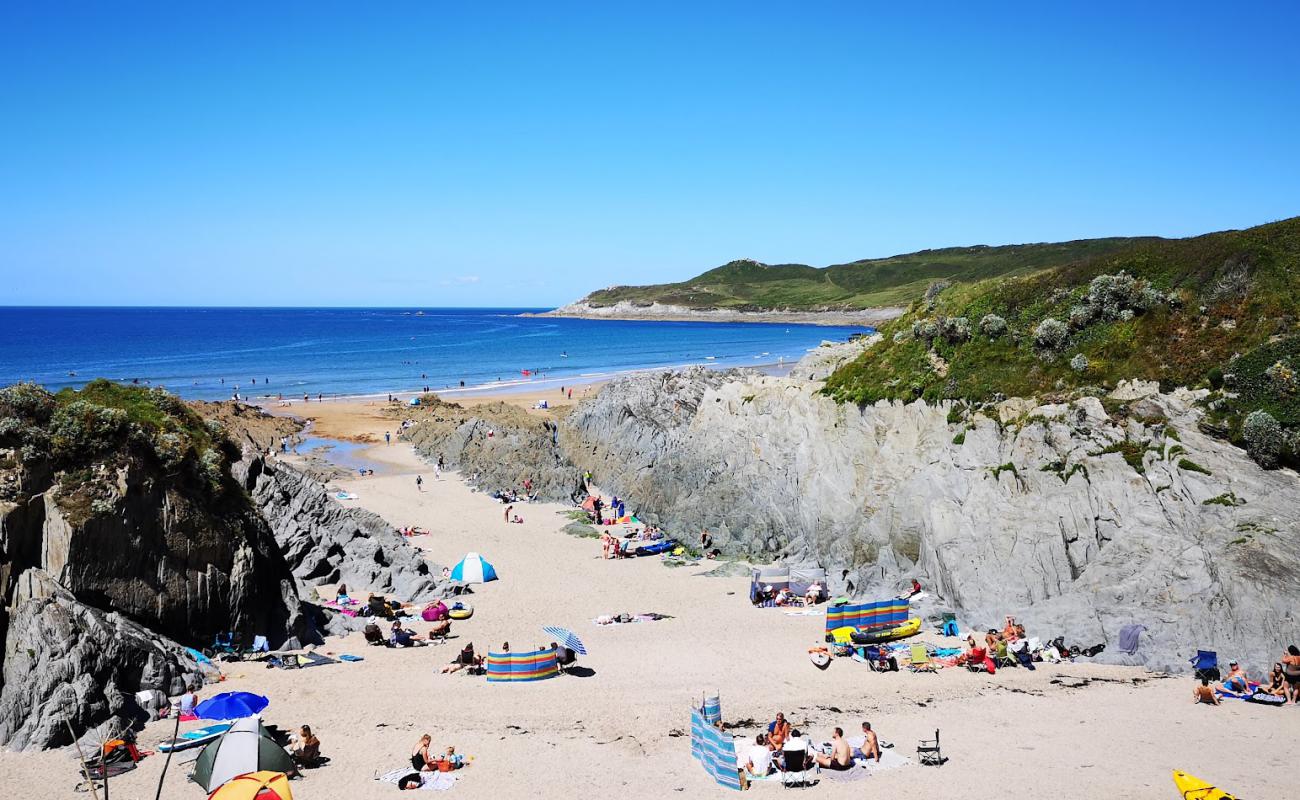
<point x="1236" y="680"/>
<point x="870" y="743"/>
<point x="1276" y="682"/>
<point x="841" y="757"/>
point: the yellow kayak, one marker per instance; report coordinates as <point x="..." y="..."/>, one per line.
<point x="909" y="628"/>
<point x="1197" y="789"/>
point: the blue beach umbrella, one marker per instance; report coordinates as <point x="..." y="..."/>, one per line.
<point x="473" y="568"/>
<point x="231" y="705"/>
<point x="566" y="638"/>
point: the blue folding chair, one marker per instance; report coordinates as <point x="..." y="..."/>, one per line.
<point x="1206" y="664"/>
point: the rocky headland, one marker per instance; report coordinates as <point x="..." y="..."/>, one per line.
<point x="132" y="527"/>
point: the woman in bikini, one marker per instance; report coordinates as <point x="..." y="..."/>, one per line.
<point x="1291" y="673"/>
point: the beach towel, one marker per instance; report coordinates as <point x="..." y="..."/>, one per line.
<point x="346" y="657"/>
<point x="1130" y="637"/>
<point x="888" y="760"/>
<point x="345" y="495"/>
<point x="805" y="612"/>
<point x="433" y="781"/>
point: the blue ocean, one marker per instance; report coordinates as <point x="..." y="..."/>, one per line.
<point x="212" y="353"/>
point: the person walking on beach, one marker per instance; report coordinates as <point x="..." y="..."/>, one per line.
<point x="419" y="483"/>
<point x="508" y="510"/>
<point x="388" y="437"/>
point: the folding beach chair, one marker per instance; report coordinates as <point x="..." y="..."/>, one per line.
<point x="1003" y="658"/>
<point x="927" y="751"/>
<point x="1206" y="664"/>
<point x="795" y="770"/>
<point x="921" y="660"/>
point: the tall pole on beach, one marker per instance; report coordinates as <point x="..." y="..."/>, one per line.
<point x="176" y="732"/>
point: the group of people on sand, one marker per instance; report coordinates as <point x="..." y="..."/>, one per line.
<point x="769" y="596"/>
<point x="1283" y="681"/>
<point x="771" y="751"/>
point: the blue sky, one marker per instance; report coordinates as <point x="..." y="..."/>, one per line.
<point x="437" y="153"/>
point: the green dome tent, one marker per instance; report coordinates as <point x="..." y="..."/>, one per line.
<point x="244" y="748"/>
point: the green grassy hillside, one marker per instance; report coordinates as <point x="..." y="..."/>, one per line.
<point x="870" y="283"/>
<point x="1218" y="310"/>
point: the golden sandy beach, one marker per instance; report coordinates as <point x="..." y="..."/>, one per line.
<point x="620" y="729"/>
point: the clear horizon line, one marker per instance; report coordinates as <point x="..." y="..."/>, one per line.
<point x="278" y="308"/>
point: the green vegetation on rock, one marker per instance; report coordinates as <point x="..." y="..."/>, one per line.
<point x="1219" y="308"/>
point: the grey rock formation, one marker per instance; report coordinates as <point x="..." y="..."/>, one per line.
<point x="820" y="362"/>
<point x="495" y="447"/>
<point x="325" y="542"/>
<point x="1019" y="509"/>
<point x="66" y="662"/>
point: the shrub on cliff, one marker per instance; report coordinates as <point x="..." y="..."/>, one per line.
<point x="1264" y="438"/>
<point x="85" y="430"/>
<point x="1051" y="335"/>
<point x="993" y="326"/>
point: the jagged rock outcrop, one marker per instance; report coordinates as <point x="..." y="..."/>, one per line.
<point x="248" y="426"/>
<point x="1077" y="521"/>
<point x="325" y="542"/>
<point x="66" y="663"/>
<point x="495" y="446"/>
<point x="118" y="513"/>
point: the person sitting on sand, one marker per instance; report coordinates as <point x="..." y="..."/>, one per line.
<point x="305" y="747"/>
<point x="1236" y="680"/>
<point x="1202" y="693"/>
<point x="778" y="730"/>
<point x="814" y="594"/>
<point x="916" y="588"/>
<point x="758" y="761"/>
<point x="465" y="660"/>
<point x="341" y="595"/>
<point x="1276" y="682"/>
<point x="517" y="520"/>
<point x="1009" y="630"/>
<point x="841" y="757"/>
<point x="402" y="637"/>
<point x="870" y="743"/>
<point x="420" y="755"/>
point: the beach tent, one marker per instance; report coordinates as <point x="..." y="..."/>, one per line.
<point x="415" y="401"/>
<point x="803" y="577"/>
<point x="473" y="568"/>
<point x="760" y="578"/>
<point x="264" y="785"/>
<point x="713" y="747"/>
<point x="243" y="749"/>
<point x="519" y="667"/>
<point x="867" y="616"/>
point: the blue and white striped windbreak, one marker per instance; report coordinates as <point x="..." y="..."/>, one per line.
<point x="473" y="568"/>
<point x="713" y="747"/>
